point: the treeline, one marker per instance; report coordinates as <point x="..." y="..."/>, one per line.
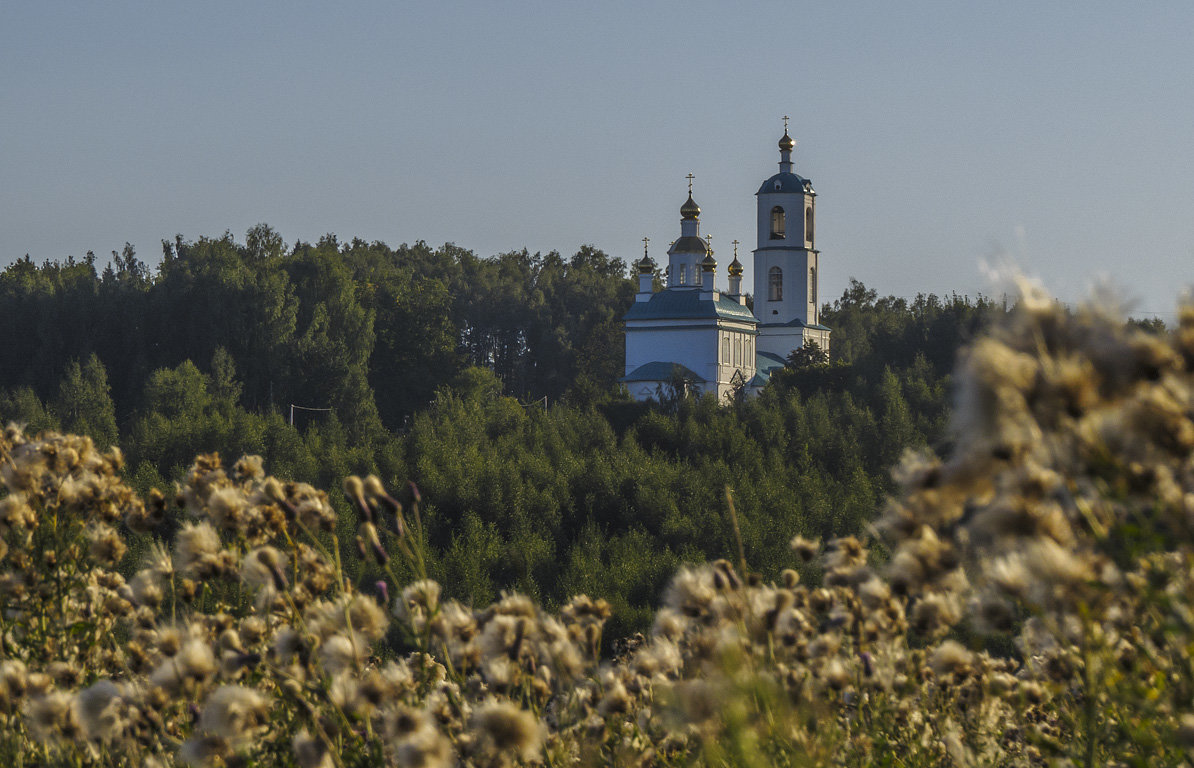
<point x="367" y="330"/>
<point x="434" y="363"/>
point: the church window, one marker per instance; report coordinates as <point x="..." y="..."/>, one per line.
<point x="777" y="223"/>
<point x="808" y="224"/>
<point x="683" y="274"/>
<point x="725" y="350"/>
<point x="775" y="284"/>
<point x="738" y="351"/>
<point x="812" y="285"/>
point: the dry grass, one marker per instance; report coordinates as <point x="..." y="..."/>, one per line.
<point x="1058" y="532"/>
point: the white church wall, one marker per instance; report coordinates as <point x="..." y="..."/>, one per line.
<point x="794" y="204"/>
<point x="794" y="300"/>
<point x="698" y="348"/>
<point x="780" y="341"/>
<point x="685" y="270"/>
<point x="784" y="340"/>
<point x="691" y="347"/>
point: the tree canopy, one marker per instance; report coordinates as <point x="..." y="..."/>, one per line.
<point x="490" y="384"/>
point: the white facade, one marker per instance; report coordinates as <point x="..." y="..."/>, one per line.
<point x="692" y="335"/>
<point x="787" y="261"/>
<point x="719" y="352"/>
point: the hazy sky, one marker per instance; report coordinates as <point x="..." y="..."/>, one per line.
<point x="938" y="135"/>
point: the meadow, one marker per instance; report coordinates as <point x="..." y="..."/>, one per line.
<point x="1031" y="605"/>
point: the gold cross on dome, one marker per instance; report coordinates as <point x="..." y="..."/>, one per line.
<point x="785" y="123"/>
<point x="690" y="177"/>
<point x="709" y="243"/>
<point x="735" y="249"/>
<point x="645" y="241"/>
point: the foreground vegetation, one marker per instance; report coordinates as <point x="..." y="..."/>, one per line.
<point x="1035" y="608"/>
<point x="435" y="363"/>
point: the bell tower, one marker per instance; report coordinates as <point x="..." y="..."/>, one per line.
<point x="786" y="260"/>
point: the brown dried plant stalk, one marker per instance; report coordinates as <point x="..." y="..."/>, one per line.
<point x="1037" y="607"/>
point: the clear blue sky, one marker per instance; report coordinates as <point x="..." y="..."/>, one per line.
<point x="938" y="135"/>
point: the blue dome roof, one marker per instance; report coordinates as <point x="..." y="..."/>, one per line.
<point x="785" y="182"/>
<point x="689" y="244"/>
<point x="687" y="304"/>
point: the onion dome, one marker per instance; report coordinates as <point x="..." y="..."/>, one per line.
<point x="709" y="264"/>
<point x="689" y="244"/>
<point x="690" y="210"/>
<point x="735" y="268"/>
<point x="787" y="143"/>
<point x="645" y="265"/>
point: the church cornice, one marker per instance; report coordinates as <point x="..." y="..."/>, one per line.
<point x="786" y="248"/>
<point x="644" y="325"/>
<point x="808" y="193"/>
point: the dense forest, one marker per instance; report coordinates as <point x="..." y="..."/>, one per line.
<point x="490" y="385"/>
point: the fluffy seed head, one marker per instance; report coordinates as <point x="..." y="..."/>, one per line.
<point x="100" y="710"/>
<point x="234" y="713"/>
<point x="508" y="729"/>
<point x="196" y="548"/>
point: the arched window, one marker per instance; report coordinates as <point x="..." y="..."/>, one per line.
<point x="812" y="285"/>
<point x="777" y="223"/>
<point x="808" y="224"/>
<point x="775" y="284"/>
<point x="683" y="275"/>
<point x="725" y="350"/>
<point x="738" y="350"/>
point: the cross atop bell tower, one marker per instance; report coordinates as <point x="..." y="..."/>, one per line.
<point x="786" y="145"/>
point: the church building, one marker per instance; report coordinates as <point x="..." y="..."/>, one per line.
<point x="693" y="336"/>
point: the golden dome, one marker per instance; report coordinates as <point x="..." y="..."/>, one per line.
<point x="735" y="268"/>
<point x="645" y="265"/>
<point x="787" y="143"/>
<point x="690" y="210"/>
<point x="709" y="264"/>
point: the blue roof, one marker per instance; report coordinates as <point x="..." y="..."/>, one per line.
<point x="766" y="363"/>
<point x="686" y="304"/>
<point x="657" y="371"/>
<point x="797" y="323"/>
<point x="689" y="244"/>
<point x="788" y="182"/>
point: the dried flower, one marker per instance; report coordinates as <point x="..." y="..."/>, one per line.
<point x="504" y="728"/>
<point x="197" y="549"/>
<point x="234" y="713"/>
